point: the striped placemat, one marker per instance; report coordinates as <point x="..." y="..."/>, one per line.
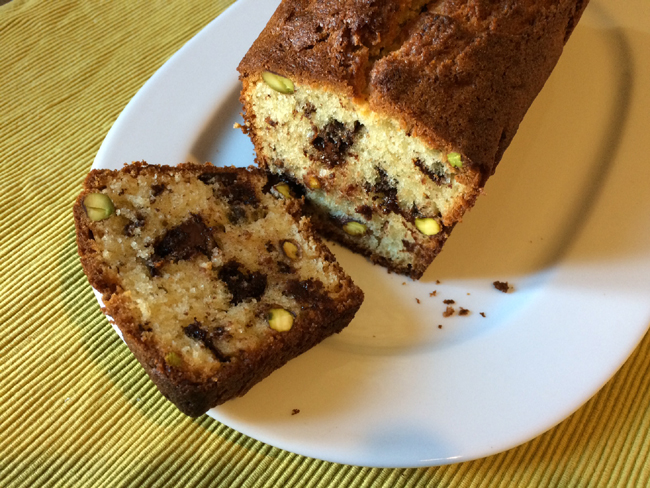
<point x="77" y="410"/>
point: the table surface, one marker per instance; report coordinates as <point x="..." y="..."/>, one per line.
<point x="77" y="408"/>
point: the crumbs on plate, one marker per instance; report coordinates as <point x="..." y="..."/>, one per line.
<point x="503" y="286"/>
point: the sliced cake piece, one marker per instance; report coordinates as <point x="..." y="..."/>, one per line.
<point x="391" y="116"/>
<point x="212" y="275"/>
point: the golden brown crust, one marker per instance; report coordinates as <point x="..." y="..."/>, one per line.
<point x="459" y="75"/>
<point x="192" y="392"/>
<point x="235" y="379"/>
<point x="467" y="75"/>
<point x="462" y="75"/>
<point x="327" y="42"/>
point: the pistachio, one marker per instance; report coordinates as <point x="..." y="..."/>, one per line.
<point x="282" y="190"/>
<point x="428" y="226"/>
<point x="278" y="83"/>
<point x="313" y="183"/>
<point x="173" y="359"/>
<point x="290" y="249"/>
<point x="279" y="319"/>
<point x="354" y="228"/>
<point x="98" y="206"/>
<point x="454" y="159"/>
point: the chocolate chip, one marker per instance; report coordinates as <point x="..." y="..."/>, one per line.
<point x="408" y="245"/>
<point x="184" y="241"/>
<point x="241" y="192"/>
<point x="309" y="109"/>
<point x="384" y="193"/>
<point x="433" y="176"/>
<point x="310" y="293"/>
<point x="272" y="180"/>
<point x="129" y="229"/>
<point x="365" y="211"/>
<point x="284" y="268"/>
<point x="234" y="187"/>
<point x="333" y="142"/>
<point x="241" y="283"/>
<point x="198" y="333"/>
<point x="157" y="189"/>
<point x="194" y="331"/>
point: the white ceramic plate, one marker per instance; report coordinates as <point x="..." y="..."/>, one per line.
<point x="563" y="221"/>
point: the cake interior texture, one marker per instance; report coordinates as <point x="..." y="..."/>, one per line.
<point x="355" y="165"/>
<point x="391" y="116"/>
<point x="193" y="263"/>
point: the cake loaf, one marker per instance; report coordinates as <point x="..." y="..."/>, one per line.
<point x="391" y="116"/>
<point x="213" y="276"/>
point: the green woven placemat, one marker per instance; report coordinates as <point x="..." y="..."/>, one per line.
<point x="77" y="410"/>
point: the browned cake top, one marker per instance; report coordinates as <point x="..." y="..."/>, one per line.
<point x="460" y="74"/>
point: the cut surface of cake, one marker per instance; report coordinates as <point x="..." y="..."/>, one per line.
<point x="391" y="116"/>
<point x="213" y="276"/>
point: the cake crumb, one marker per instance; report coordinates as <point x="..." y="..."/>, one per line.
<point x="502" y="286"/>
<point x="403" y="283"/>
<point x="440" y="326"/>
<point x="448" y="312"/>
<point x="463" y="311"/>
<point x="433" y="293"/>
<point x="295" y="411"/>
<point x="437" y="282"/>
<point x="482" y="314"/>
<point x="417" y="300"/>
<point x="449" y="302"/>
